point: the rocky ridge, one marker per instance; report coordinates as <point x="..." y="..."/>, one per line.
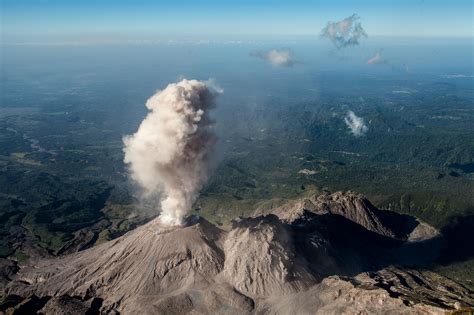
<point x="327" y="254"/>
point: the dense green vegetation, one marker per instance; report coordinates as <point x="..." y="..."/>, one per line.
<point x="416" y="157"/>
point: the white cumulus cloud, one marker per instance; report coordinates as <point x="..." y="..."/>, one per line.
<point x="344" y="33"/>
<point x="277" y="57"/>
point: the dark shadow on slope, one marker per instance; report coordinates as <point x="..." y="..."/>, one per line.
<point x="333" y="244"/>
<point x="458" y="236"/>
<point x="401" y="224"/>
<point x="336" y="245"/>
<point x="357" y="249"/>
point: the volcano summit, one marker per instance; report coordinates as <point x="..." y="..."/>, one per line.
<point x="327" y="254"/>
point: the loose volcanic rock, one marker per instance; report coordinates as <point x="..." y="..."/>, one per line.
<point x="326" y="254"/>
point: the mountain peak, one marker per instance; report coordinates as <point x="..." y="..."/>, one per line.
<point x="313" y="255"/>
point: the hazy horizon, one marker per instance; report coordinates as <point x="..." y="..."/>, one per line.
<point x="28" y="20"/>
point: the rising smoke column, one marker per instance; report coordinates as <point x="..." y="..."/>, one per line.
<point x="169" y="154"/>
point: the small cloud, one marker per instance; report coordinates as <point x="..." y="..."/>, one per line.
<point x="306" y="171"/>
<point x="344" y="33"/>
<point x="356" y="124"/>
<point x="277" y="57"/>
<point x="377" y="59"/>
<point x="401" y="92"/>
<point x="456" y="76"/>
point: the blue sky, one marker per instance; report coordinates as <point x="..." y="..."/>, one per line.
<point x="29" y="20"/>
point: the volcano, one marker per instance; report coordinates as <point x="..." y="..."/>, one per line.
<point x="326" y="254"/>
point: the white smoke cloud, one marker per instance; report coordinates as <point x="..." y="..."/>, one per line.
<point x="344" y="33"/>
<point x="356" y="124"/>
<point x="277" y="57"/>
<point x="168" y="156"/>
<point x="213" y="85"/>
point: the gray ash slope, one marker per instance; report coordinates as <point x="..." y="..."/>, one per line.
<point x="324" y="254"/>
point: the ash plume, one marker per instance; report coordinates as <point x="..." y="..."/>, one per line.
<point x="344" y="33"/>
<point x="356" y="124"/>
<point x="168" y="156"/>
<point x="277" y="57"/>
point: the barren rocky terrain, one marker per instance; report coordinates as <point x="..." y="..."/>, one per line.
<point x="326" y="254"/>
